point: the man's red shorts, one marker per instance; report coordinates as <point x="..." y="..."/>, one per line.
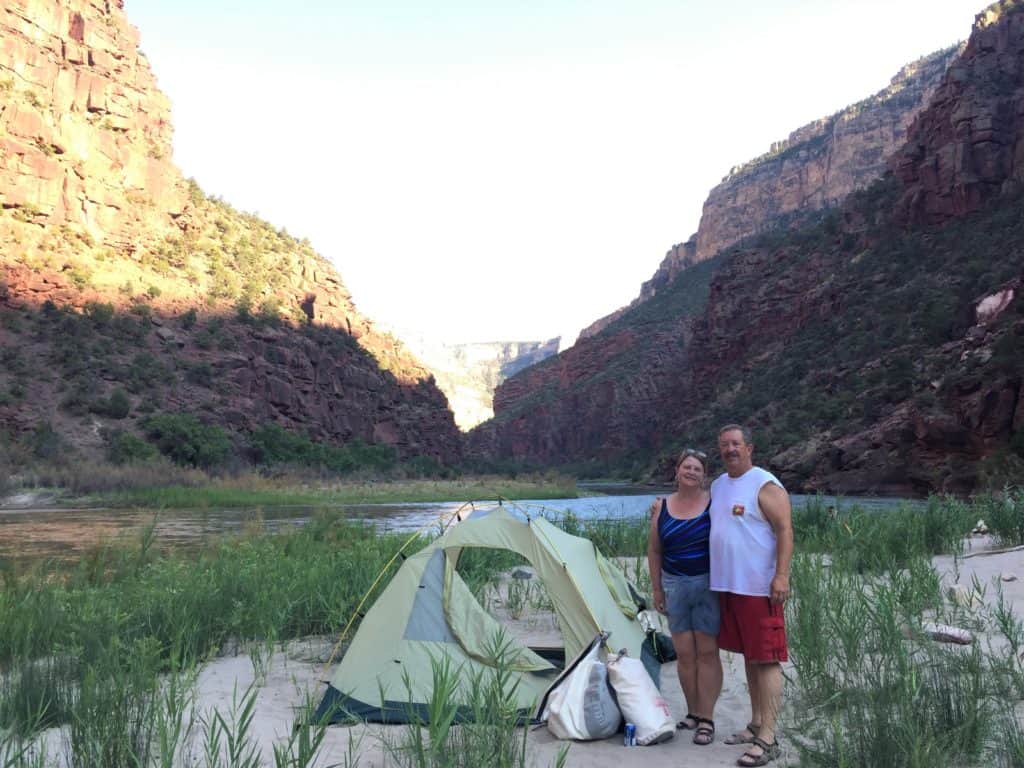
<point x="753" y="626"/>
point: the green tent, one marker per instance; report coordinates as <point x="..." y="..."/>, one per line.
<point x="427" y="614"/>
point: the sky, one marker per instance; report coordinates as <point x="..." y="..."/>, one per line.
<point x="485" y="171"/>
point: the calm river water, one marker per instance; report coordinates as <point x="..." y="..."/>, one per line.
<point x="65" y="533"/>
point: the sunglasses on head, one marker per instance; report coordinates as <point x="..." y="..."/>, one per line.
<point x="692" y="452"/>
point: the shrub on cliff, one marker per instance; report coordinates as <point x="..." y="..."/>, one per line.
<point x="118" y="404"/>
<point x="185" y="440"/>
<point x="126" y="448"/>
<point x="45" y="443"/>
<point x="274" y="445"/>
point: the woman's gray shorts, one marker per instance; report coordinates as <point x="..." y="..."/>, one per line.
<point x="690" y="603"/>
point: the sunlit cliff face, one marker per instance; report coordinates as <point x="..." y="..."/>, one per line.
<point x="94" y="207"/>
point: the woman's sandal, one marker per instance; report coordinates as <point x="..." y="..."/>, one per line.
<point x="768" y="753"/>
<point x="682" y="725"/>
<point x="705" y="732"/>
<point x="741" y="737"/>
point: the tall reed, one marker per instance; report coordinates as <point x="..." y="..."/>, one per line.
<point x="1003" y="514"/>
<point x="470" y="722"/>
<point x="871" y="688"/>
<point x="76" y="642"/>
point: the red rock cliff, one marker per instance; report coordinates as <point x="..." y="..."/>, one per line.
<point x="93" y="211"/>
<point x="869" y="353"/>
<point x="816" y="167"/>
<point x="967" y="147"/>
<point x="85" y="132"/>
<point x="820" y="163"/>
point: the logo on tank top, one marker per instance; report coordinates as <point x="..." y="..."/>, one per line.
<point x="738" y="509"/>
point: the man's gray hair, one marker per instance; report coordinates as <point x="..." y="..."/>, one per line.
<point x="748" y="438"/>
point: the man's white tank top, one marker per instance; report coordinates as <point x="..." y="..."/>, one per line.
<point x="742" y="540"/>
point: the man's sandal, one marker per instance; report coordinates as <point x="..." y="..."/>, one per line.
<point x="768" y="753"/>
<point x="742" y="737"/>
<point x="682" y="725"/>
<point x="705" y="732"/>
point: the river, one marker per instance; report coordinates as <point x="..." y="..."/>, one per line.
<point x="64" y="534"/>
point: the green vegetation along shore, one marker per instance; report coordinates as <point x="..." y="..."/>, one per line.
<point x="172" y="467"/>
<point x="251" y="491"/>
<point x="108" y="647"/>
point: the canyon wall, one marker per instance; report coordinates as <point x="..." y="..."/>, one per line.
<point x="877" y="346"/>
<point x="820" y="163"/>
<point x="816" y="167"/>
<point x="469" y="373"/>
<point x="94" y="213"/>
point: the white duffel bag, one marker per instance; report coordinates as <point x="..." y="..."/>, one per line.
<point x="639" y="700"/>
<point x="580" y="704"/>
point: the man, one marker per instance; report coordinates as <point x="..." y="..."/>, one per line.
<point x="751" y="548"/>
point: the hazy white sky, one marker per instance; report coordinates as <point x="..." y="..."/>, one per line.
<point x="506" y="171"/>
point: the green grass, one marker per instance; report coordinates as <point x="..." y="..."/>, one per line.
<point x="870" y="688"/>
<point x="481" y="729"/>
<point x="253" y="491"/>
<point x="109" y="646"/>
<point x="870" y="541"/>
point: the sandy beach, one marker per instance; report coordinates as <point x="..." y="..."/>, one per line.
<point x="295" y="673"/>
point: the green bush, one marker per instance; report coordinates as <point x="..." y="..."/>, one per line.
<point x="205" y="338"/>
<point x="272" y="444"/>
<point x="117" y="406"/>
<point x="101" y="314"/>
<point x="45" y="442"/>
<point x="1004" y="515"/>
<point x="79" y="396"/>
<point x="424" y="466"/>
<point x="185" y="440"/>
<point x="144" y="372"/>
<point x="126" y="448"/>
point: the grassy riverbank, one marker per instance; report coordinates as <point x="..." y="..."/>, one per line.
<point x="107" y="648"/>
<point x="253" y="490"/>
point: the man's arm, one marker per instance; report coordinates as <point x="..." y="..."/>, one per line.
<point x="775" y="506"/>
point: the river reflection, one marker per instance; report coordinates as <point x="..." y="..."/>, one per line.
<point x="66" y="533"/>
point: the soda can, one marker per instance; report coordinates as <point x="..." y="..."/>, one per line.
<point x="629" y="739"/>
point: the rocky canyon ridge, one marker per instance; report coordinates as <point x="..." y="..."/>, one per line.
<point x="816" y="167"/>
<point x="875" y="346"/>
<point x="119" y="276"/>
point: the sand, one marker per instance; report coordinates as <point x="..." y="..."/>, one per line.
<point x="295" y="672"/>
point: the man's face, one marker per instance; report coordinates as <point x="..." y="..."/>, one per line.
<point x="737" y="455"/>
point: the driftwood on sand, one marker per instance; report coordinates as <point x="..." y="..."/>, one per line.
<point x="991" y="552"/>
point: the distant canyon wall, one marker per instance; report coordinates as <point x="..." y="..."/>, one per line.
<point x="469" y="373"/>
<point x="967" y="148"/>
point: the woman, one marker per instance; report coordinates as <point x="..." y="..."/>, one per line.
<point x="677" y="553"/>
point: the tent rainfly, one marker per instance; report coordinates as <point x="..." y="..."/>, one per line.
<point x="428" y="614"/>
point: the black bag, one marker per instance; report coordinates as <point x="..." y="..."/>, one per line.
<point x="660" y="646"/>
